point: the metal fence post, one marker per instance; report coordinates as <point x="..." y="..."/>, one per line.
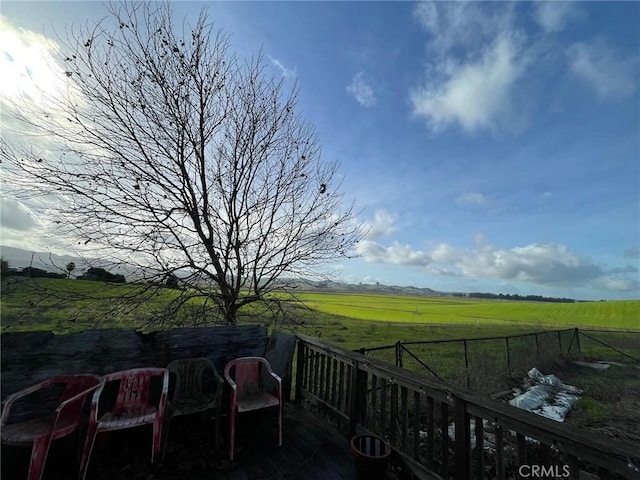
<point x="466" y="363"/>
<point x="506" y="340"/>
<point x="559" y="341"/>
<point x="577" y="334"/>
<point x="399" y="354"/>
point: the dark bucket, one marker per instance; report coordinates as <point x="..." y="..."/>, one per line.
<point x="371" y="455"/>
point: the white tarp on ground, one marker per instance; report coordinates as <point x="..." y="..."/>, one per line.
<point x="547" y="396"/>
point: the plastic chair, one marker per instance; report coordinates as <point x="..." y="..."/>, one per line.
<point x="190" y="394"/>
<point x="39" y="432"/>
<point x="132" y="408"/>
<point x="243" y="375"/>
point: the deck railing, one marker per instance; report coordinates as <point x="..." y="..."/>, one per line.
<point x="440" y="431"/>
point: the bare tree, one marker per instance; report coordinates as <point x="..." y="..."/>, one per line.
<point x="170" y="154"/>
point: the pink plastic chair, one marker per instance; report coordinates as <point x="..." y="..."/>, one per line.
<point x="132" y="408"/>
<point x="243" y="375"/>
<point x="41" y="431"/>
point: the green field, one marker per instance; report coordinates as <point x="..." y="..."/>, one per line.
<point x="349" y="320"/>
<point x="449" y="310"/>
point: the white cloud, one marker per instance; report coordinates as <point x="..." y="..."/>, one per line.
<point x="396" y="254"/>
<point x="286" y="72"/>
<point x="547" y="264"/>
<point x="362" y="91"/>
<point x="618" y="284"/>
<point x="472" y="199"/>
<point x="476" y="94"/>
<point x="16" y="216"/>
<point x="610" y="75"/>
<point x="460" y="24"/>
<point x="554" y="16"/>
<point x="382" y="225"/>
<point x="29" y="68"/>
<point x="632" y="252"/>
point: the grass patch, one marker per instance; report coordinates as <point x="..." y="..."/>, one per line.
<point x="590" y="408"/>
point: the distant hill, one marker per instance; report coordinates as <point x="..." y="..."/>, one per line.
<point x="50" y="262"/>
<point x="331" y="286"/>
<point x="19" y="258"/>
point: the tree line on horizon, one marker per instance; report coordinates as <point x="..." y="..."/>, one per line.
<point x="516" y="297"/>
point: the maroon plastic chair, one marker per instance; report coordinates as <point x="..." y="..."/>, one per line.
<point x="132" y="408"/>
<point x="39" y="432"/>
<point x="243" y="375"/>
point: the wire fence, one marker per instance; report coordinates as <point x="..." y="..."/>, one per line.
<point x="471" y="361"/>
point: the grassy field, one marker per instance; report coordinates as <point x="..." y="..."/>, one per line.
<point x="350" y="320"/>
<point x="449" y="310"/>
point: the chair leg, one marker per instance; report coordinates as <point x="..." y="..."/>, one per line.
<point x="232" y="433"/>
<point x="92" y="431"/>
<point x="280" y="424"/>
<point x="39" y="453"/>
<point x="216" y="433"/>
<point x="157" y="437"/>
<point x="165" y="435"/>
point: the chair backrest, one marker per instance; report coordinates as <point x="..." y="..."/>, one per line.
<point x="135" y="383"/>
<point x="245" y="372"/>
<point x="74" y="384"/>
<point x="46" y="396"/>
<point x="189" y="376"/>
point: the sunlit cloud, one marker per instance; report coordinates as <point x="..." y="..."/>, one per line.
<point x="472" y="199"/>
<point x="546" y="264"/>
<point x="286" y="72"/>
<point x="474" y="94"/>
<point x="362" y="91"/>
<point x="382" y="225"/>
<point x="395" y="254"/>
<point x="607" y="72"/>
<point x="29" y="68"/>
<point x="16" y="215"/>
<point x="450" y="25"/>
<point x="554" y="16"/>
<point x="632" y="252"/>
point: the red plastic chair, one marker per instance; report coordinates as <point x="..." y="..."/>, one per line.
<point x="41" y="431"/>
<point x="243" y="375"/>
<point x="132" y="408"/>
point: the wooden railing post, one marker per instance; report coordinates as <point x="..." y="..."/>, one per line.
<point x="462" y="439"/>
<point x="300" y="366"/>
<point x="357" y="409"/>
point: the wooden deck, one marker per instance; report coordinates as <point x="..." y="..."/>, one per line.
<point x="312" y="450"/>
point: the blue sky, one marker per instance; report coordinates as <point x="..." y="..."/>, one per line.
<point x="492" y="147"/>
